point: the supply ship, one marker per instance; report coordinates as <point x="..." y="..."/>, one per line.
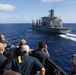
<point x="50" y="24"/>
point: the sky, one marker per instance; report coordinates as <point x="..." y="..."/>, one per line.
<point x="24" y="11"/>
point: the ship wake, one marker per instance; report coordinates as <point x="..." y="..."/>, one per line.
<point x="69" y="36"/>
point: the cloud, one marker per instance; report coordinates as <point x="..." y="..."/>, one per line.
<point x="6" y="8"/>
<point x="51" y="1"/>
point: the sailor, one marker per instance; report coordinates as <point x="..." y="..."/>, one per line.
<point x="9" y="46"/>
<point x="3" y="40"/>
<point x="41" y="53"/>
<point x="25" y="64"/>
<point x="73" y="64"/>
<point x="17" y="51"/>
<point x="3" y="59"/>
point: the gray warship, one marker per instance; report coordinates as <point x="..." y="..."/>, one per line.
<point x="50" y="24"/>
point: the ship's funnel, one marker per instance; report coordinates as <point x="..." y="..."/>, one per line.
<point x="51" y="13"/>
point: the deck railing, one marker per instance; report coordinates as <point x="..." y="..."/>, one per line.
<point x="53" y="69"/>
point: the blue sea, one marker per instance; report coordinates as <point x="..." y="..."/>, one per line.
<point x="61" y="47"/>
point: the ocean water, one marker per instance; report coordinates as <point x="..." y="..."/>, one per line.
<point x="61" y="47"/>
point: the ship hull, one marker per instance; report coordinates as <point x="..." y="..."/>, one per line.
<point x="53" y="30"/>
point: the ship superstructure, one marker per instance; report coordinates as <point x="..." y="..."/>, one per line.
<point x="51" y="24"/>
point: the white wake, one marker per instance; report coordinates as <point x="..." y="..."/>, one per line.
<point x="72" y="35"/>
<point x="69" y="36"/>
